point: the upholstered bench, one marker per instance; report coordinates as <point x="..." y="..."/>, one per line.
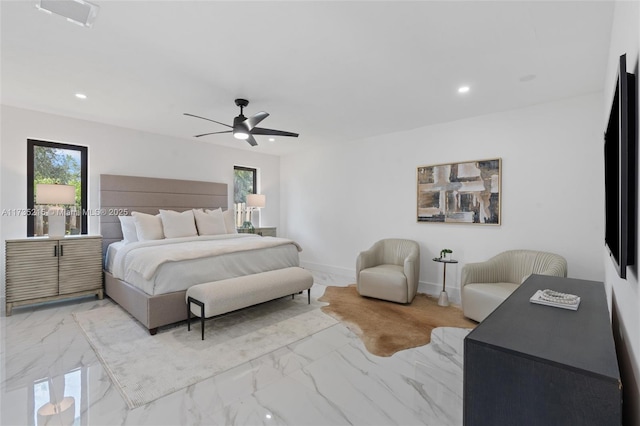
<point x="220" y="297"/>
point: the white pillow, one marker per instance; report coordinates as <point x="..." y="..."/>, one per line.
<point x="230" y="221"/>
<point x="148" y="227"/>
<point x="177" y="225"/>
<point x="128" y="225"/>
<point x="210" y="222"/>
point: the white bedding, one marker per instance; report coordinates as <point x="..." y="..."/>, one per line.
<point x="170" y="265"/>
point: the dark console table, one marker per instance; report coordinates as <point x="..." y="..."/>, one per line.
<point x="529" y="364"/>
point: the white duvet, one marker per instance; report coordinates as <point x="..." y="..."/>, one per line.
<point x="161" y="265"/>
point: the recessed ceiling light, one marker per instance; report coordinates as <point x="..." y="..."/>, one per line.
<point x="81" y="96"/>
<point x="463" y="89"/>
<point x="271" y="139"/>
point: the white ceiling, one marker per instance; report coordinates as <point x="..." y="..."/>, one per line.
<point x="333" y="71"/>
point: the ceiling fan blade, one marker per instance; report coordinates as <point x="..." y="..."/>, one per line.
<point x="253" y="121"/>
<point x="251" y="140"/>
<point x="271" y="132"/>
<point x="204" y="118"/>
<point x="212" y="133"/>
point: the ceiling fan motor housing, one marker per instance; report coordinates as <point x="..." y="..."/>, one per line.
<point x="240" y="129"/>
<point x="239" y="120"/>
<point x="240" y="124"/>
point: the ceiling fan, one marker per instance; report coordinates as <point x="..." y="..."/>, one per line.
<point x="244" y="128"/>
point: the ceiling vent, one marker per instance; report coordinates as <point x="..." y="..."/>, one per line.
<point x="77" y="11"/>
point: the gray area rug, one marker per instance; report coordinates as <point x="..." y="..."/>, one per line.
<point x="145" y="368"/>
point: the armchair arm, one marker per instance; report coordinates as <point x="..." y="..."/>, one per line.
<point x="366" y="259"/>
<point x="412" y="272"/>
<point x="481" y="272"/>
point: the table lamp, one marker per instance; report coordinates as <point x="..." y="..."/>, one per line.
<point x="56" y="194"/>
<point x="255" y="202"/>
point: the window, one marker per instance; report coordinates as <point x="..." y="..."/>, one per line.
<point x="245" y="181"/>
<point x="56" y="163"/>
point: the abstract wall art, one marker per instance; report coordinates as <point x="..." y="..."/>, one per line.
<point x="464" y="192"/>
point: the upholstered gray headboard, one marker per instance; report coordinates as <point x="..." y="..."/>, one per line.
<point x="120" y="194"/>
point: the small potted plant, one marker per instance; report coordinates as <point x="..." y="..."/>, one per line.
<point x="444" y="254"/>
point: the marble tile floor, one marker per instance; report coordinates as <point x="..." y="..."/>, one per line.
<point x="328" y="378"/>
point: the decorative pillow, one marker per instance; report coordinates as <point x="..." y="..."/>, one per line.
<point x="128" y="225"/>
<point x="177" y="225"/>
<point x="230" y="221"/>
<point x="210" y="222"/>
<point x="148" y="227"/>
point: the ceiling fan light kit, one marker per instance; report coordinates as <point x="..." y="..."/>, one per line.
<point x="244" y="128"/>
<point x="239" y="134"/>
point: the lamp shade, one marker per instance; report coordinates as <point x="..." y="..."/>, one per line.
<point x="256" y="200"/>
<point x="55" y="194"/>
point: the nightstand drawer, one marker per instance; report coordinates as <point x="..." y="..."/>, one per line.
<point x="265" y="231"/>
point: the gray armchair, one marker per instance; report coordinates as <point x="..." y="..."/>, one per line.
<point x="389" y="270"/>
<point x="485" y="285"/>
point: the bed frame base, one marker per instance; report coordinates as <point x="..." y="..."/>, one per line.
<point x="150" y="311"/>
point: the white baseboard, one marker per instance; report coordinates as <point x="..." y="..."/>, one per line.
<point x="338" y="276"/>
<point x="330" y="275"/>
<point x="434" y="289"/>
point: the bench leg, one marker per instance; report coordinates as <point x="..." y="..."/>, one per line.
<point x="191" y="300"/>
<point x="189" y="315"/>
<point x="308" y="296"/>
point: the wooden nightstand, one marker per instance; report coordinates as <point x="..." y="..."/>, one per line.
<point x="42" y="269"/>
<point x="264" y="231"/>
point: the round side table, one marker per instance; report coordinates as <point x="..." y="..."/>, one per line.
<point x="444" y="297"/>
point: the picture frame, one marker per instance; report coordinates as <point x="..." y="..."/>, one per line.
<point x="463" y="192"/>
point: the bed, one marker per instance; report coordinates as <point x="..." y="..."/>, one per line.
<point x="153" y="290"/>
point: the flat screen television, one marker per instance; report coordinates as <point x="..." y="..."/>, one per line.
<point x="620" y="172"/>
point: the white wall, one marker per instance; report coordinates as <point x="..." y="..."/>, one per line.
<point x="625" y="38"/>
<point x="115" y="150"/>
<point x="340" y="199"/>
